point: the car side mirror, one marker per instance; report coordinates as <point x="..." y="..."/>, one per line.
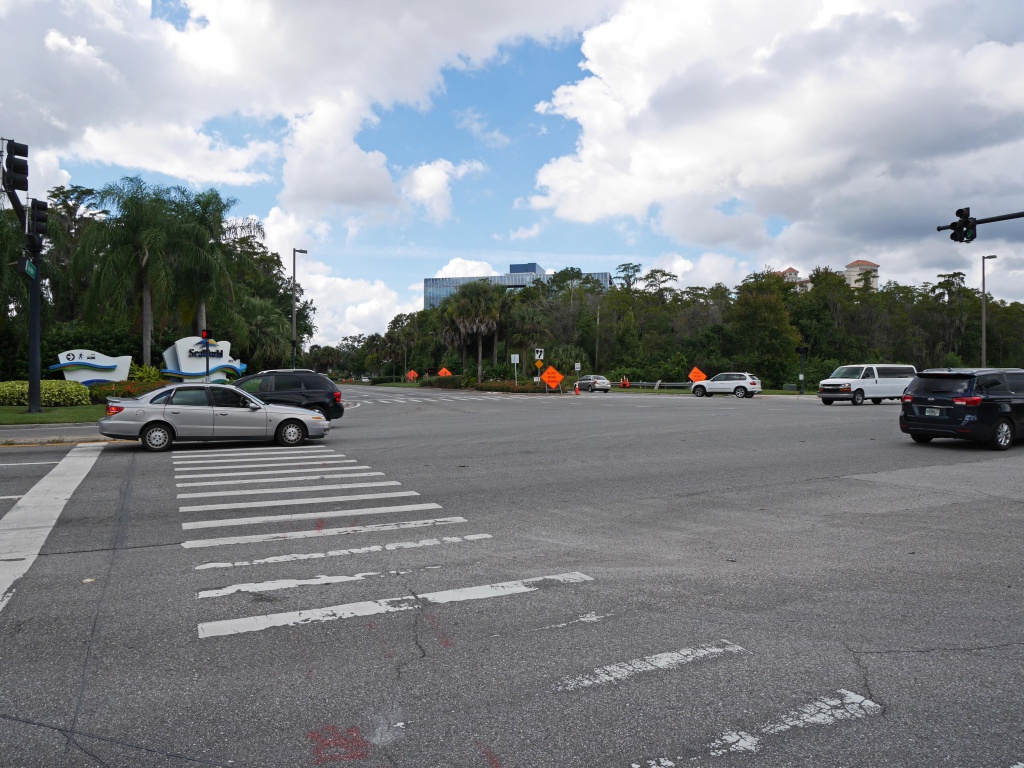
<point x="254" y="406"/>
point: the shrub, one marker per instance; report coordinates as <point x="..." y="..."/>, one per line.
<point x="100" y="392"/>
<point x="146" y="374"/>
<point x="524" y="387"/>
<point x="52" y="394"/>
<point x="442" y="382"/>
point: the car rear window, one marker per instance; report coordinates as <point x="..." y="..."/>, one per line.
<point x="990" y="383"/>
<point x="939" y="385"/>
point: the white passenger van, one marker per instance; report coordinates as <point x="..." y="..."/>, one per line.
<point x="873" y="382"/>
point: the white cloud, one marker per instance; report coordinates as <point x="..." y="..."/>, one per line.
<point x="459" y="267"/>
<point x="526" y="233"/>
<point x="706" y="270"/>
<point x="860" y="127"/>
<point x="471" y="120"/>
<point x="429" y="186"/>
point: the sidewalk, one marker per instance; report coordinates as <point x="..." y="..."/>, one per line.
<point x="46" y="434"/>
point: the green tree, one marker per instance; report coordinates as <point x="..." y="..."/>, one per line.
<point x="763" y="341"/>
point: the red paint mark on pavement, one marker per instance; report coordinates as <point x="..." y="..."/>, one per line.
<point x="492" y="758"/>
<point x="320" y="526"/>
<point x="441" y="637"/>
<point x="330" y="745"/>
<point x="371" y="626"/>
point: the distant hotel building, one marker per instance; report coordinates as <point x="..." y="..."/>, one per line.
<point x="436" y="289"/>
<point x="854" y="275"/>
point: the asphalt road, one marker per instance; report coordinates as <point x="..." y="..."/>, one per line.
<point x="603" y="580"/>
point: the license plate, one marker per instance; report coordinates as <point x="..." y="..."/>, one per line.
<point x="932" y="411"/>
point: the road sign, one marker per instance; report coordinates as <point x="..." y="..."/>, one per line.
<point x="539" y="364"/>
<point x="515" y="359"/>
<point x="412" y="375"/>
<point x="579" y="367"/>
<point x="697" y="374"/>
<point x="551" y="377"/>
<point x="538" y="354"/>
<point x="27" y="267"/>
<point x="444" y="372"/>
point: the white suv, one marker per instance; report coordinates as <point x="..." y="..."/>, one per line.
<point x="738" y="384"/>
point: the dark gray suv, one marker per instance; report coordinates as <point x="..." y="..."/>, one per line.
<point x="296" y="386"/>
<point x="981" y="404"/>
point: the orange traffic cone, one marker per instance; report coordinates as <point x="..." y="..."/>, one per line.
<point x="577" y="388"/>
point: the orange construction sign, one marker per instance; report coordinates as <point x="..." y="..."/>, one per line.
<point x="552" y="377"/>
<point x="539" y="363"/>
<point x="412" y="375"/>
<point x="444" y="372"/>
<point x="697" y="374"/>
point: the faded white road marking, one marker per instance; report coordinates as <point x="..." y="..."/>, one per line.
<point x="28" y="463"/>
<point x="294" y="502"/>
<point x="322" y="476"/>
<point x="307" y="465"/>
<point x="390" y="605"/>
<point x="586" y="618"/>
<point x="325" y="465"/>
<point x="308" y="516"/>
<point x="613" y="673"/>
<point x="291" y="489"/>
<point x="824" y="711"/>
<point x="10" y="497"/>
<point x="289" y="535"/>
<point x="278" y="584"/>
<point x="827" y="710"/>
<point x="25" y="527"/>
<point x="389" y="547"/>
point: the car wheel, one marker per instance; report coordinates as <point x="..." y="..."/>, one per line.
<point x="1002" y="436"/>
<point x="157" y="437"/>
<point x="699" y="391"/>
<point x="921" y="438"/>
<point x="740" y="392"/>
<point x="876" y="400"/>
<point x="290" y="433"/>
<point x="858" y="398"/>
<point x="827" y="401"/>
<point x="590" y="388"/>
<point x="750" y="394"/>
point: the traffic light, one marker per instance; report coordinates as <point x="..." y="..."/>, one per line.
<point x="16" y="166"/>
<point x="205" y="335"/>
<point x="970" y="229"/>
<point x="957" y="235"/>
<point x="964" y="228"/>
<point x="38" y="216"/>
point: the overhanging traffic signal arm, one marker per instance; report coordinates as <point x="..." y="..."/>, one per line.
<point x="16" y="167"/>
<point x="965" y="228"/>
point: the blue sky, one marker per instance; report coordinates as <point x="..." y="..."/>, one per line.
<point x="396" y="141"/>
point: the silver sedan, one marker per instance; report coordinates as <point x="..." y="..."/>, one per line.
<point x="207" y="412"/>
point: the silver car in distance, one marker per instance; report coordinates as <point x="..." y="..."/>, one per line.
<point x="207" y="412"/>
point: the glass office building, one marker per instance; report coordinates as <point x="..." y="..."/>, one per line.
<point x="436" y="289"/>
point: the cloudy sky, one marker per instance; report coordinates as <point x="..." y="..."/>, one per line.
<point x="396" y="140"/>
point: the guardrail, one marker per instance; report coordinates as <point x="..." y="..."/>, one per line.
<point x="659" y="384"/>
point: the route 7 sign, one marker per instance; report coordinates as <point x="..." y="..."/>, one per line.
<point x="538" y="354"/>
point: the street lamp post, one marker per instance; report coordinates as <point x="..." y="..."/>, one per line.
<point x="984" y="301"/>
<point x="295" y="340"/>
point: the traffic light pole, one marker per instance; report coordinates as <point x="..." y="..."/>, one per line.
<point x="953" y="225"/>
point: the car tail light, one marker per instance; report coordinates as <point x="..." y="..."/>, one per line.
<point x="112" y="409"/>
<point x="337" y="396"/>
<point x="907" y="399"/>
<point x="968" y="401"/>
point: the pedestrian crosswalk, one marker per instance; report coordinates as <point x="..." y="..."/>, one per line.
<point x="272" y="511"/>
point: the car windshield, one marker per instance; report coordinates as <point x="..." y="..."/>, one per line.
<point x="847" y="372"/>
<point x="939" y="385"/>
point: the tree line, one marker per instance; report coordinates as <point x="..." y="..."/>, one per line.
<point x="645" y="329"/>
<point x="132" y="267"/>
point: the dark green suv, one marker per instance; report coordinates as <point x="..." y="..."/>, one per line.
<point x="982" y="404"/>
<point x="295" y="386"/>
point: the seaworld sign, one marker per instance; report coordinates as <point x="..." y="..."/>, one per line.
<point x="186" y="360"/>
<point x="89" y="367"/>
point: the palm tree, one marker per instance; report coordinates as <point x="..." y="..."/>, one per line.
<point x="206" y="276"/>
<point x="132" y="254"/>
<point x="475" y="308"/>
